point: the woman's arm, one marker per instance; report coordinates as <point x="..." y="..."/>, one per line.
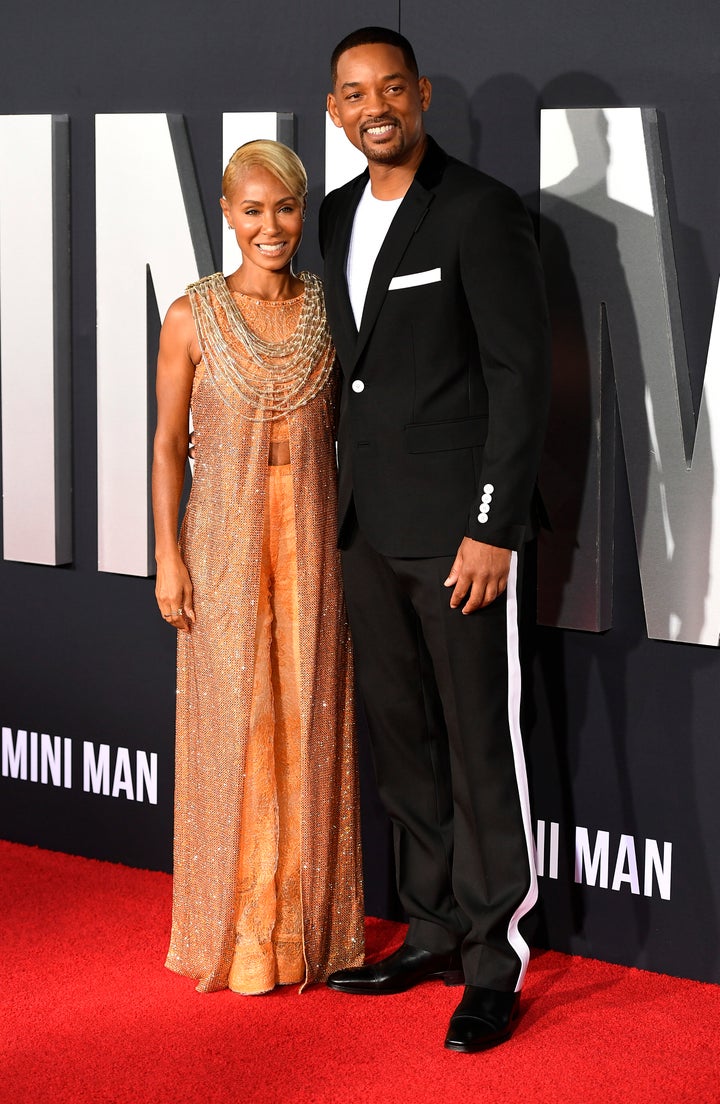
<point x="178" y="355"/>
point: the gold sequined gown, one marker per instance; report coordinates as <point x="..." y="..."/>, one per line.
<point x="267" y="884"/>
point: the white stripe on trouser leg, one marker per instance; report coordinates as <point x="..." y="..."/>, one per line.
<point x="513" y="657"/>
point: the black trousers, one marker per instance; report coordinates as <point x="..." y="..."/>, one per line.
<point x="441" y="692"/>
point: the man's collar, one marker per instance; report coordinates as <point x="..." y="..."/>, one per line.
<point x="430" y="170"/>
<point x="428" y="173"/>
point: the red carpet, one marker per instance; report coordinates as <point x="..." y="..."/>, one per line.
<point x="89" y="1014"/>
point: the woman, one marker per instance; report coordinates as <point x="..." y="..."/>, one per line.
<point x="267" y="883"/>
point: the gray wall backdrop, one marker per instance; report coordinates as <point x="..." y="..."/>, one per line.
<point x="621" y="732"/>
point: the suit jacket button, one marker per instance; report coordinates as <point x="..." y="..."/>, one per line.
<point x="488" y="488"/>
<point x="358" y="386"/>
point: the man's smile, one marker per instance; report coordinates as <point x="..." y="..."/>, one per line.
<point x="378" y="130"/>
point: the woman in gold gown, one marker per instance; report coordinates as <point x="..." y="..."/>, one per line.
<point x="267" y="880"/>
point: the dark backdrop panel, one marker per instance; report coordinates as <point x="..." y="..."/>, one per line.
<point x="621" y="731"/>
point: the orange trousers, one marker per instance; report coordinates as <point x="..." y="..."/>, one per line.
<point x="269" y="942"/>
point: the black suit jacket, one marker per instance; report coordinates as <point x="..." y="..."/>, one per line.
<point x="446" y="386"/>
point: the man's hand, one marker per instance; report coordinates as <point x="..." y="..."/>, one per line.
<point x="480" y="569"/>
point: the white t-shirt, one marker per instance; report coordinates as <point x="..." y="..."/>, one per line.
<point x="372" y="222"/>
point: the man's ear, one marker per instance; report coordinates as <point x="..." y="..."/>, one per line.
<point x="425" y="89"/>
<point x="332" y="110"/>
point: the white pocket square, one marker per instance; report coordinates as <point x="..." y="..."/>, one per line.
<point x="414" y="279"/>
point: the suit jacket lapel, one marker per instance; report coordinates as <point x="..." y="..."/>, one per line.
<point x="344" y="330"/>
<point x="348" y="341"/>
<point x="406" y="222"/>
<point x="409" y="215"/>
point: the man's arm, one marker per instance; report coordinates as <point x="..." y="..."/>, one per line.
<point x="503" y="283"/>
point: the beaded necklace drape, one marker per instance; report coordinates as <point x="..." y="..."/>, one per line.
<point x="263" y="379"/>
<point x="221" y="541"/>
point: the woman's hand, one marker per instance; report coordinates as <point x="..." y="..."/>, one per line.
<point x="174" y="593"/>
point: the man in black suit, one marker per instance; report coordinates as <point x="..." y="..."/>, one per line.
<point x="435" y="299"/>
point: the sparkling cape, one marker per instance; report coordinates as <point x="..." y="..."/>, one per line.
<point x="220" y="542"/>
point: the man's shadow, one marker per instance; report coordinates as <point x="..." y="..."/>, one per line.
<point x="598" y="251"/>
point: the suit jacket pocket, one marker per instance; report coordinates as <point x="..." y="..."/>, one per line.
<point x="415" y="279"/>
<point x="441" y="436"/>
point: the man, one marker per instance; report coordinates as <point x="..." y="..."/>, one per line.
<point x="434" y="296"/>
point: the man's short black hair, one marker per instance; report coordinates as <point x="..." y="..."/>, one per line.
<point x="368" y="36"/>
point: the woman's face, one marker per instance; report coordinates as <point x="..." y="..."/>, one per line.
<point x="267" y="220"/>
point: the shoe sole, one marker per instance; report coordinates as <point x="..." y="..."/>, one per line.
<point x="449" y="978"/>
<point x="476" y="1048"/>
<point x="486" y="1044"/>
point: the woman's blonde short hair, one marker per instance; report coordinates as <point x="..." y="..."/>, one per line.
<point x="276" y="158"/>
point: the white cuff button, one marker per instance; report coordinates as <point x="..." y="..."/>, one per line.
<point x="488" y="488"/>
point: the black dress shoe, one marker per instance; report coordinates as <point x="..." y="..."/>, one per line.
<point x="407" y="967"/>
<point x="484" y="1018"/>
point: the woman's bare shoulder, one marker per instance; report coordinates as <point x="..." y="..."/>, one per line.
<point x="179" y="312"/>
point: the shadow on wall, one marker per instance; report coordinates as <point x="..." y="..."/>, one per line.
<point x="597" y="252"/>
<point x="495" y="129"/>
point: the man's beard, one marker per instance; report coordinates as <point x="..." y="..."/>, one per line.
<point x="388" y="153"/>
